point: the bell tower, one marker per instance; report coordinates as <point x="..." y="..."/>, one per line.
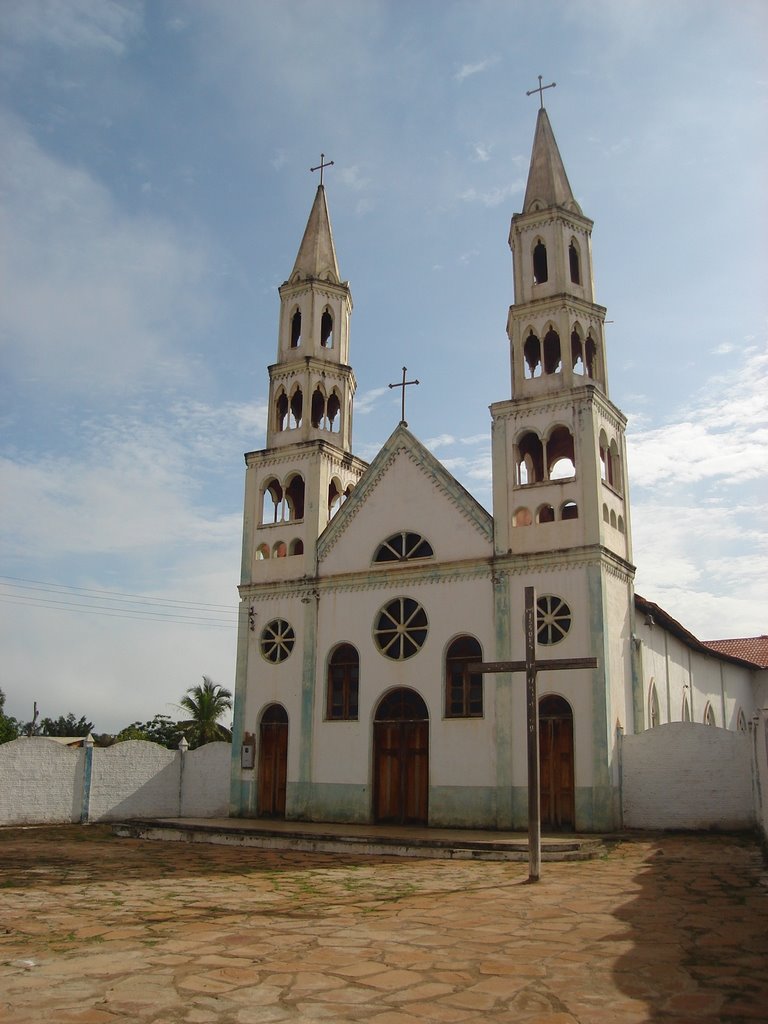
<point x="559" y="450"/>
<point x="296" y="484"/>
<point x="560" y="501"/>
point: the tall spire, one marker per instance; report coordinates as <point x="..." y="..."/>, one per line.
<point x="547" y="181"/>
<point x="317" y="253"/>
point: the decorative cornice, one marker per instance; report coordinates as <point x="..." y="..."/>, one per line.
<point x="302" y="451"/>
<point x="554" y="402"/>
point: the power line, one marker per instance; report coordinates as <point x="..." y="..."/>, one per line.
<point x="19" y="581"/>
<point x="114" y="604"/>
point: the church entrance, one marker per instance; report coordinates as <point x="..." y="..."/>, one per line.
<point x="273" y="762"/>
<point x="401" y="759"/>
<point x="556" y="764"/>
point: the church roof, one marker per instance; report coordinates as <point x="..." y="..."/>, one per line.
<point x="548" y="183"/>
<point x="743" y="652"/>
<point x="747" y="648"/>
<point x="317" y="253"/>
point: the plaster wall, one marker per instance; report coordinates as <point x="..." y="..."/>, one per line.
<point x="687" y="775"/>
<point x="41" y="782"/>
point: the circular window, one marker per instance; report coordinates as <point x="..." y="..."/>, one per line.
<point x="401" y="628"/>
<point x="553" y="619"/>
<point x="277" y="640"/>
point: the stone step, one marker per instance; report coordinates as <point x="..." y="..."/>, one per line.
<point x="314" y="838"/>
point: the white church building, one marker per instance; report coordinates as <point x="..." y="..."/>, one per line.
<point x="368" y="589"/>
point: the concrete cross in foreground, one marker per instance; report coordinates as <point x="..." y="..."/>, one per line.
<point x="531" y="666"/>
<point x="403" y="385"/>
<point x="540" y="90"/>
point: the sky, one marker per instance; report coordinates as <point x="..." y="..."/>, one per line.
<point x="155" y="185"/>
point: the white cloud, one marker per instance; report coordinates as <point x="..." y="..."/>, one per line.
<point x="467" y="70"/>
<point x="368" y="400"/>
<point x="482" y="153"/>
<point x="74" y="24"/>
<point x="491" y="197"/>
<point x="94" y="297"/>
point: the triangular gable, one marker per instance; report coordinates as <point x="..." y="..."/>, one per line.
<point x="403" y="443"/>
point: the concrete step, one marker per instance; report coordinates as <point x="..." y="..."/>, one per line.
<point x="389" y="841"/>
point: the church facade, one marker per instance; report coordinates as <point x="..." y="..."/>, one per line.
<point x="369" y="590"/>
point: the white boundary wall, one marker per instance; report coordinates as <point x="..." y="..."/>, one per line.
<point x="42" y="782"/>
<point x="688" y="775"/>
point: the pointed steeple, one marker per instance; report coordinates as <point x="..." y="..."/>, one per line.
<point x="547" y="181"/>
<point x="317" y="253"/>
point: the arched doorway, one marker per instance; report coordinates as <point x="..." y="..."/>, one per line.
<point x="556" y="764"/>
<point x="273" y="761"/>
<point x="401" y="759"/>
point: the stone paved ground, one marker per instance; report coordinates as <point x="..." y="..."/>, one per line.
<point x="99" y="930"/>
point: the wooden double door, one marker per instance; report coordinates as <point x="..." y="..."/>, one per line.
<point x="401" y="759"/>
<point x="556" y="777"/>
<point x="273" y="762"/>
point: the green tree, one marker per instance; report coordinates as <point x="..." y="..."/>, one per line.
<point x="9" y="727"/>
<point x="66" y="725"/>
<point x="160" y="729"/>
<point x="205" y="705"/>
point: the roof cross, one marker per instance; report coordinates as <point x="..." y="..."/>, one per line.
<point x="404" y="384"/>
<point x="531" y="666"/>
<point x="321" y="166"/>
<point x="540" y="90"/>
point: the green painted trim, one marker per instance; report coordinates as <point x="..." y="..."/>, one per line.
<point x="306" y="727"/>
<point x="463" y="807"/>
<point x="238" y="721"/>
<point x="599" y="642"/>
<point x="504" y="718"/>
<point x="328" y="801"/>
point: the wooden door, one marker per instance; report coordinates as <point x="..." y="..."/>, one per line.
<point x="401" y="760"/>
<point x="556" y="764"/>
<point x="273" y="762"/>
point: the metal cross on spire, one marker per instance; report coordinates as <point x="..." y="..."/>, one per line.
<point x="321" y="166"/>
<point x="540" y="90"/>
<point x="404" y="384"/>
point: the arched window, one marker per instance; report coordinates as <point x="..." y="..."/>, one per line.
<point x="332" y="412"/>
<point x="343" y="684"/>
<point x="297" y="408"/>
<point x="606" y="516"/>
<point x="463" y="690"/>
<point x="296" y="329"/>
<point x="613" y="519"/>
<point x="262" y="552"/>
<point x="294" y="498"/>
<point x="545" y="514"/>
<point x="272" y="504"/>
<point x="281" y="411"/>
<point x="620" y="523"/>
<point x="318" y="408"/>
<point x="561" y="458"/>
<point x="569" y="510"/>
<point x="709" y="715"/>
<point x="522" y="517"/>
<point x="530" y="459"/>
<point x="606" y="463"/>
<point x="326" y="329"/>
<point x="577" y="353"/>
<point x="297" y="547"/>
<point x="279" y="549"/>
<point x="532" y="357"/>
<point x="540" y="270"/>
<point x="613" y="452"/>
<point x="402" y="547"/>
<point x="686" y="709"/>
<point x="654" y="712"/>
<point x="334" y="497"/>
<point x="573" y="263"/>
<point x="552" y="359"/>
<point x="741" y="721"/>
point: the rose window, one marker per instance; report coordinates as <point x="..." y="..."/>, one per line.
<point x="553" y="619"/>
<point x="277" y="640"/>
<point x="400" y="628"/>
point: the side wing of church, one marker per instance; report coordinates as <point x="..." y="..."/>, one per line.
<point x="367" y="591"/>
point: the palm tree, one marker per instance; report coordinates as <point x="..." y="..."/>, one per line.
<point x="205" y="703"/>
